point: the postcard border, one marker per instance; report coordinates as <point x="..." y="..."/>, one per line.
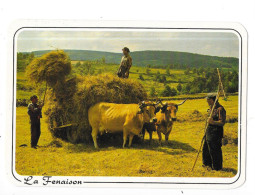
<point x="139" y="28"/>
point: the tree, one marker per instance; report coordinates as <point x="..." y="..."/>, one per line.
<point x="166" y="92"/>
<point x="173" y="92"/>
<point x="99" y="71"/>
<point x="187" y="71"/>
<point x="141" y="77"/>
<point x="86" y="68"/>
<point x="162" y="79"/>
<point x="201" y="70"/>
<point x="23" y="60"/>
<point x="167" y="71"/>
<point x="157" y="76"/>
<point x="231" y="85"/>
<point x="78" y="64"/>
<point x="194" y="70"/>
<point x="152" y="92"/>
<point x="31" y="57"/>
<point x="103" y="60"/>
<point x="179" y="87"/>
<point x="187" y="88"/>
<point x="148" y="71"/>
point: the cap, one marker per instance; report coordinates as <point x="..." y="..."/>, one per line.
<point x="32" y="97"/>
<point x="126" y="49"/>
<point x="211" y="96"/>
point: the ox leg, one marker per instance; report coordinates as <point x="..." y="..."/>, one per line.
<point x="131" y="136"/>
<point x="94" y="137"/>
<point x="124" y="138"/>
<point x="143" y="133"/>
<point x="159" y="137"/>
<point x="167" y="134"/>
<point x="150" y="133"/>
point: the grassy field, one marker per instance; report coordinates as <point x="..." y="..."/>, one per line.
<point x="24" y="90"/>
<point x="135" y="71"/>
<point x="173" y="159"/>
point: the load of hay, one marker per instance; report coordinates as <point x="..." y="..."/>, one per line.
<point x="70" y="96"/>
<point x="51" y="68"/>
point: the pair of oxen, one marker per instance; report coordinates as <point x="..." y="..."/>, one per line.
<point x="132" y="119"/>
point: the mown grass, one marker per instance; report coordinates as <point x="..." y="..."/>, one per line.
<point x="173" y="159"/>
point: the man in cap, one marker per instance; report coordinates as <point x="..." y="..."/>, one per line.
<point x="125" y="64"/>
<point x="212" y="153"/>
<point x="35" y="113"/>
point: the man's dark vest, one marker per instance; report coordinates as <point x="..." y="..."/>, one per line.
<point x="215" y="132"/>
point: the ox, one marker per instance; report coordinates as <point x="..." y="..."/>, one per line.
<point x="165" y="119"/>
<point x="164" y="122"/>
<point x="126" y="118"/>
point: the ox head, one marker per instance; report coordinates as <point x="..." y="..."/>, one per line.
<point x="171" y="109"/>
<point x="149" y="110"/>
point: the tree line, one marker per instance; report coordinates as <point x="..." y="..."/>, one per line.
<point x="206" y="81"/>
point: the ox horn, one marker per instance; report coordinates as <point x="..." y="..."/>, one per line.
<point x="182" y="102"/>
<point x="142" y="105"/>
<point x="158" y="102"/>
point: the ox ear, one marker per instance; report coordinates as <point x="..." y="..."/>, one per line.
<point x="157" y="109"/>
<point x="164" y="108"/>
<point x="141" y="105"/>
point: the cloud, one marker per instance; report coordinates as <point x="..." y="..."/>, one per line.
<point x="209" y="43"/>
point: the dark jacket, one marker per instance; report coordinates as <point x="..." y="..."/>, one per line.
<point x="215" y="132"/>
<point x="34" y="112"/>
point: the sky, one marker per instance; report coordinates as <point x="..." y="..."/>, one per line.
<point x="216" y="43"/>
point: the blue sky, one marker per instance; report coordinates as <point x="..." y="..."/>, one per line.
<point x="209" y="43"/>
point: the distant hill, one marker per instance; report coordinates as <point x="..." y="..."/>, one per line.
<point x="154" y="58"/>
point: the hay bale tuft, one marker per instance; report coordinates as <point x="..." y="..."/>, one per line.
<point x="50" y="67"/>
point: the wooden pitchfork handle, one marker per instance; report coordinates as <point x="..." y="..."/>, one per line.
<point x="44" y="93"/>
<point x="206" y="126"/>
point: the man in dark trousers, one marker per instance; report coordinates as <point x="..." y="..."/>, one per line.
<point x="35" y="113"/>
<point x="212" y="153"/>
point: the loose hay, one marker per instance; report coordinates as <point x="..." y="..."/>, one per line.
<point x="70" y="104"/>
<point x="68" y="99"/>
<point x="51" y="67"/>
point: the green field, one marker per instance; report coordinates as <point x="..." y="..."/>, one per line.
<point x="173" y="159"/>
<point x="24" y="90"/>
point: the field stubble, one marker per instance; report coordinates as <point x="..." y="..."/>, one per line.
<point x="173" y="159"/>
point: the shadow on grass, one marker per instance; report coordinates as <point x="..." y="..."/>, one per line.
<point x="229" y="170"/>
<point x="172" y="147"/>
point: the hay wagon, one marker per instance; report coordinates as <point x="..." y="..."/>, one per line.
<point x="69" y="96"/>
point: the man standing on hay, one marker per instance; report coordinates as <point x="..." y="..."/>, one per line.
<point x="125" y="64"/>
<point x="212" y="153"/>
<point x="35" y="113"/>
